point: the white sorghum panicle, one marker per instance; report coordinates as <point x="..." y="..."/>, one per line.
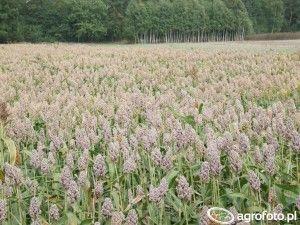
<point x="83" y="178"/>
<point x="129" y="165"/>
<point x="157" y="193"/>
<point x="3" y="208"/>
<point x="156" y="156"/>
<point x="234" y="212"/>
<point x="235" y="160"/>
<point x="272" y="197"/>
<point x="83" y="160"/>
<point x="114" y="150"/>
<point x="66" y="177"/>
<point x="107" y="207"/>
<point x="167" y="162"/>
<point x="204" y="220"/>
<point x="13" y="174"/>
<point x="204" y="172"/>
<point x="45" y="166"/>
<point x="32" y="185"/>
<point x="54" y="212"/>
<point x="132" y="218"/>
<point x="70" y="160"/>
<point x="99" y="166"/>
<point x="140" y="190"/>
<point x="35" y="208"/>
<point x="36" y="222"/>
<point x="98" y="189"/>
<point x="254" y="181"/>
<point x="117" y="218"/>
<point x="257" y="156"/>
<point x="183" y="189"/>
<point x="73" y="192"/>
<point x="278" y="209"/>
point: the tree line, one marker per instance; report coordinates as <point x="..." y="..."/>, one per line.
<point x="145" y="21"/>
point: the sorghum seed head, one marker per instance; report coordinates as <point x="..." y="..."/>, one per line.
<point x="107" y="207"/>
<point x="183" y="189"/>
<point x="98" y="189"/>
<point x="35" y="208"/>
<point x="99" y="166"/>
<point x="132" y="218"/>
<point x="204" y="220"/>
<point x="254" y="181"/>
<point x="66" y="177"/>
<point x="117" y="218"/>
<point x="45" y="167"/>
<point x="236" y="162"/>
<point x="13" y="174"/>
<point x="272" y="197"/>
<point x="54" y="212"/>
<point x="73" y="191"/>
<point x="83" y="160"/>
<point x="204" y="172"/>
<point x="129" y="165"/>
<point x="3" y="209"/>
<point x="83" y="178"/>
<point x="278" y="209"/>
<point x="157" y="193"/>
<point x="139" y="190"/>
<point x="156" y="156"/>
<point x="70" y="160"/>
<point x="3" y="112"/>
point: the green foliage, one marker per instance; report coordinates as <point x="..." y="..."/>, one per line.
<point x="111" y="20"/>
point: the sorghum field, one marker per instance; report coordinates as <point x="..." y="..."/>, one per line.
<point x="148" y="134"/>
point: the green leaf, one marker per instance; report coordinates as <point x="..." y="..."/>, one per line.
<point x="86" y="222"/>
<point x="12" y="150"/>
<point x="171" y="175"/>
<point x="293" y="188"/>
<point x="72" y="219"/>
<point x="200" y="108"/>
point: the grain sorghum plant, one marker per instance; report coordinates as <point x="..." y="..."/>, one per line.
<point x="107" y="207"/>
<point x="99" y="166"/>
<point x="254" y="181"/>
<point x="54" y="212"/>
<point x="3" y="112"/>
<point x="236" y="162"/>
<point x="34" y="208"/>
<point x="13" y="174"/>
<point x="272" y="197"/>
<point x="66" y="177"/>
<point x="117" y="218"/>
<point x="98" y="189"/>
<point x="204" y="173"/>
<point x="83" y="178"/>
<point x="156" y="194"/>
<point x="70" y="160"/>
<point x="204" y="219"/>
<point x="3" y="208"/>
<point x="83" y="160"/>
<point x="184" y="191"/>
<point x="129" y="165"/>
<point x="73" y="192"/>
<point x="132" y="218"/>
